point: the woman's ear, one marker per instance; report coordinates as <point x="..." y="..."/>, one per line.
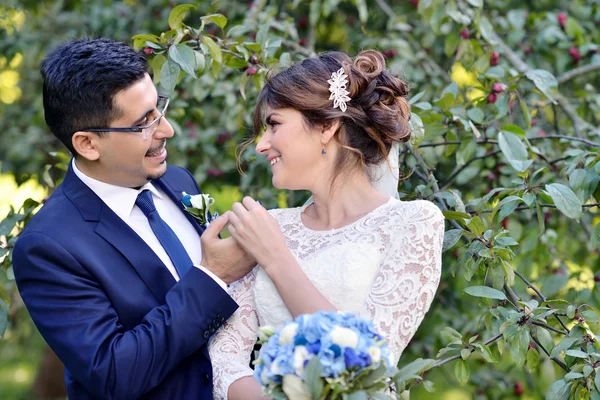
<point x="85" y="144"/>
<point x="329" y="130"/>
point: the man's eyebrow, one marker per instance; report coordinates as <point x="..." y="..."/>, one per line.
<point x="139" y="120"/>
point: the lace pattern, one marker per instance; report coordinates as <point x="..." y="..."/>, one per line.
<point x="386" y="267"/>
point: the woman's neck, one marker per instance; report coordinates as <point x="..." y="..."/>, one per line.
<point x="352" y="198"/>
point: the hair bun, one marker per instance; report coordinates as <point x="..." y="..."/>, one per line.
<point x="370" y="63"/>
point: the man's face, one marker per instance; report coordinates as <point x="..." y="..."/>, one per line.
<point x="126" y="158"/>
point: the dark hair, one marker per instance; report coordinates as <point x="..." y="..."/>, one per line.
<point x="377" y="114"/>
<point x="81" y="78"/>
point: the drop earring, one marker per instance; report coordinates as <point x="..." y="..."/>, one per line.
<point x="323" y="152"/>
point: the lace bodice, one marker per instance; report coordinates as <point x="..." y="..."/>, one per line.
<point x="385" y="266"/>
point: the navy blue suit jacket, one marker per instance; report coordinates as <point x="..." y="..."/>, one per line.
<point x="107" y="305"/>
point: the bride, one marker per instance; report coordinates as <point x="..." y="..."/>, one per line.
<point x="330" y="122"/>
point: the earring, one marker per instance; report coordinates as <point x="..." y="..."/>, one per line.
<point x="323" y="152"/>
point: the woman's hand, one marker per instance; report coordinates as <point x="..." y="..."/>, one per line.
<point x="258" y="233"/>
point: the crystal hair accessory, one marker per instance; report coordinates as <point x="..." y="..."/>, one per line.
<point x="337" y="87"/>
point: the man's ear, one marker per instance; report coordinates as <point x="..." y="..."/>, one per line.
<point x="329" y="130"/>
<point x="86" y="145"/>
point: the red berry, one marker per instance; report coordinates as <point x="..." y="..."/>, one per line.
<point x="253" y="60"/>
<point x="193" y="134"/>
<point x="223" y="138"/>
<point x="492" y="98"/>
<point x="465" y="34"/>
<point x="251" y="71"/>
<point x="494" y="58"/>
<point x="390" y="53"/>
<point x="574" y="52"/>
<point x="302" y="42"/>
<point x="505" y="223"/>
<point x="351" y="20"/>
<point x="534" y="121"/>
<point x="562" y="19"/>
<point x="414" y="3"/>
<point x="214" y="172"/>
<point x="303" y="22"/>
<point x="542" y="132"/>
<point x="491" y="176"/>
<point x="148" y="51"/>
<point x="518" y="389"/>
<point x="597" y="278"/>
<point x="497" y="87"/>
<point x="558" y="271"/>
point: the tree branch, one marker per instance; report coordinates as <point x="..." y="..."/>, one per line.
<point x="584" y="69"/>
<point x="460" y="168"/>
<point x="549" y="327"/>
<point x="555" y="359"/>
<point x="522" y="67"/>
<point x="386" y="9"/>
<point x="446" y="360"/>
<point x="531" y="139"/>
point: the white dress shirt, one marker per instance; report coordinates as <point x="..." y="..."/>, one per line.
<point x="121" y="200"/>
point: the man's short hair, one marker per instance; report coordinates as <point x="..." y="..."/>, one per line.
<point x="81" y="78"/>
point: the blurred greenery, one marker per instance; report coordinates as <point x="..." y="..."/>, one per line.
<point x="505" y="113"/>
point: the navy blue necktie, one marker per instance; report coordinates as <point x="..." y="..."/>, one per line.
<point x="165" y="235"/>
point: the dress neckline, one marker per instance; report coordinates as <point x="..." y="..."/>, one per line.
<point x="301" y="210"/>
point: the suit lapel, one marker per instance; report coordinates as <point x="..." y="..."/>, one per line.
<point x="141" y="257"/>
<point x="175" y="194"/>
<point x="114" y="230"/>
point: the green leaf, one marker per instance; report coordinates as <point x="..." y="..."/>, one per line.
<point x="184" y="56"/>
<point x="213" y="48"/>
<point x="465" y="152"/>
<point x="200" y="61"/>
<point x="218" y="19"/>
<point x="243" y="82"/>
<point x="476" y="225"/>
<point x="563" y="345"/>
<point x="514" y="150"/>
<point x="554" y="283"/>
<point x="450" y="334"/>
<point x="375" y="375"/>
<point x="476" y="3"/>
<point x="533" y="359"/>
<point x="465" y="353"/>
<point x="565" y="200"/>
<point x="485" y="291"/>
<point x="558" y="391"/>
<point x="451" y="237"/>
<point x="313" y="378"/>
<point x="360" y="395"/>
<point x="517" y="130"/>
<point x="8" y="223"/>
<point x="462" y="372"/>
<point x="4" y="314"/>
<point x="485" y="352"/>
<point x="448" y="96"/>
<point x="417" y="130"/>
<point x="169" y="73"/>
<point x="178" y="14"/>
<point x="525" y="111"/>
<point x="544" y="81"/>
<point x="475" y="115"/>
<point x="545" y="339"/>
<point x="576" y="353"/>
<point x="486" y="29"/>
<point x="455" y="215"/>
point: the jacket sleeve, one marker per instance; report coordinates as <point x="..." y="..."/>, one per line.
<point x="76" y="318"/>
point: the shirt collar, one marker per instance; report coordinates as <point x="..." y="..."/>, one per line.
<point x="118" y="198"/>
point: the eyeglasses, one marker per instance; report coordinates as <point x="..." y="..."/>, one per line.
<point x="146" y="130"/>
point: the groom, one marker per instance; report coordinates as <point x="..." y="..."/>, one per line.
<point x="111" y="268"/>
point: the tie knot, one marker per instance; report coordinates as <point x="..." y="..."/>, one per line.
<point x="145" y="203"/>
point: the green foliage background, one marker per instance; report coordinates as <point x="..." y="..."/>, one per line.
<point x="515" y="166"/>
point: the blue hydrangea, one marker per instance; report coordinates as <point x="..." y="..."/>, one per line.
<point x="314" y="332"/>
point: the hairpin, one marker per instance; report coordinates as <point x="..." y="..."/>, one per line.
<point x="337" y="87"/>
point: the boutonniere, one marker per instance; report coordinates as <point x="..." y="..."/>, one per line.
<point x="198" y="205"/>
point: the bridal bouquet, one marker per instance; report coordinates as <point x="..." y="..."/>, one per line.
<point x="326" y="355"/>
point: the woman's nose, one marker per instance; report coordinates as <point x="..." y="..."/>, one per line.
<point x="264" y="144"/>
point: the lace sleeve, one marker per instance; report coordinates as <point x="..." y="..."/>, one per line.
<point x="409" y="273"/>
<point x="231" y="346"/>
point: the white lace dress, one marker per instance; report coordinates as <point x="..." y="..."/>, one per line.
<point x="385" y="266"/>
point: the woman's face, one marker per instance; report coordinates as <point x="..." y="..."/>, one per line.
<point x="293" y="149"/>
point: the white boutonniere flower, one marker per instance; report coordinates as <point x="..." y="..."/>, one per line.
<point x="198" y="205"/>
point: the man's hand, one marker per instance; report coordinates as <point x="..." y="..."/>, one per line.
<point x="224" y="257"/>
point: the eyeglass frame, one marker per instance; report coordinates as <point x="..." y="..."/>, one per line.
<point x="135" y="129"/>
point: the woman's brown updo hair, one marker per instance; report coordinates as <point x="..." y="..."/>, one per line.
<point x="377" y="114"/>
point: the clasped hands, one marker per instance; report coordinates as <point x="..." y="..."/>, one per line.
<point x="255" y="239"/>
